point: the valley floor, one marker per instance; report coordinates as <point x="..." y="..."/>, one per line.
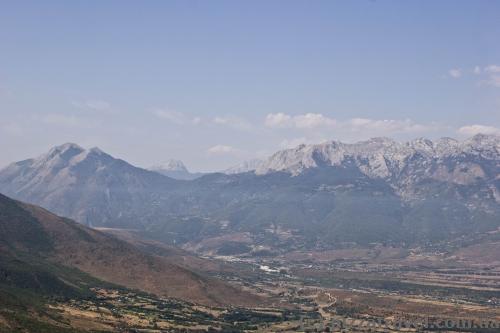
<point x="313" y="296"/>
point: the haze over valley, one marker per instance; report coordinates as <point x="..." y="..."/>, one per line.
<point x="249" y="166"/>
<point x="424" y="205"/>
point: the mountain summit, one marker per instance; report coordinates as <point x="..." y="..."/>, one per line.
<point x="175" y="169"/>
<point x="379" y="157"/>
<point x="246" y="166"/>
<point x="170" y="165"/>
<point x="87" y="185"/>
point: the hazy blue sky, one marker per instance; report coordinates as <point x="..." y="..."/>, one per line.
<point x="216" y="82"/>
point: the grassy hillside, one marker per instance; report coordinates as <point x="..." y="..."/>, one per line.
<point x="46" y="258"/>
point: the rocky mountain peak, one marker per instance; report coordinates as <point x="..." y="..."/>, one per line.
<point x="175" y="169"/>
<point x="484" y="142"/>
<point x="66" y="155"/>
<point x="170" y="165"/>
<point x="246" y="166"/>
<point x="64" y="151"/>
<point x="379" y="157"/>
<point x="96" y="151"/>
<point x="65" y="147"/>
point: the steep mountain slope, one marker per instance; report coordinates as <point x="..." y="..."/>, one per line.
<point x="89" y="186"/>
<point x="400" y="164"/>
<point x="325" y="195"/>
<point x="175" y="169"/>
<point x="23" y="264"/>
<point x="327" y="207"/>
<point x="34" y="235"/>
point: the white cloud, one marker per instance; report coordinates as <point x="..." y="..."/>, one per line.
<point x="490" y="75"/>
<point x="233" y="122"/>
<point x="176" y="117"/>
<point x="303" y="121"/>
<point x="493" y="75"/>
<point x="455" y="73"/>
<point x="221" y="121"/>
<point x="492" y="69"/>
<point x="315" y="122"/>
<point x="94" y="105"/>
<point x="388" y="126"/>
<point x="478" y="129"/>
<point x="222" y="150"/>
<point x="494" y="81"/>
<point x="278" y="120"/>
<point x="98" y="105"/>
<point x="170" y="115"/>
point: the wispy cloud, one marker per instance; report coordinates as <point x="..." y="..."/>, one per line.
<point x="233" y="122"/>
<point x="492" y="69"/>
<point x="170" y="115"/>
<point x="492" y="73"/>
<point x="488" y="75"/>
<point x="455" y="73"/>
<point x="388" y="126"/>
<point x="303" y="121"/>
<point x="311" y="122"/>
<point x="94" y="105"/>
<point x="278" y="120"/>
<point x="176" y="117"/>
<point x="494" y="80"/>
<point x="222" y="150"/>
<point x="470" y="130"/>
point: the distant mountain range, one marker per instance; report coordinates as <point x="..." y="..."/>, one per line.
<point x="246" y="166"/>
<point x="175" y="169"/>
<point x="319" y="196"/>
<point x="402" y="165"/>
